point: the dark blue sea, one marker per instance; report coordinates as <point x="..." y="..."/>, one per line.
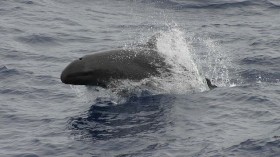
<point x="235" y="43"/>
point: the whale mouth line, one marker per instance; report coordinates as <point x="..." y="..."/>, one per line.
<point x="79" y="74"/>
<point x="82" y="78"/>
<point x="67" y="77"/>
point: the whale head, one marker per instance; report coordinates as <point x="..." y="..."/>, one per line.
<point x="76" y="73"/>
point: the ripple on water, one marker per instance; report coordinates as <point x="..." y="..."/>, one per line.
<point x="256" y="148"/>
<point x="26" y="155"/>
<point x="254" y="75"/>
<point x="210" y="4"/>
<point x="105" y="120"/>
<point x="6" y="72"/>
<point x="261" y="60"/>
<point x="36" y="39"/>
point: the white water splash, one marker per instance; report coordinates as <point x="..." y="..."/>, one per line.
<point x="185" y="76"/>
<point x="90" y="94"/>
<point x="212" y="60"/>
<point x="219" y="64"/>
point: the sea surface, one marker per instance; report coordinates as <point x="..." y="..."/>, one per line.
<point x="235" y="43"/>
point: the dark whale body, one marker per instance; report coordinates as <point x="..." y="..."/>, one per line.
<point x="100" y="69"/>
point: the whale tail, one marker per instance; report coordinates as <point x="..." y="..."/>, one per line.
<point x="210" y="85"/>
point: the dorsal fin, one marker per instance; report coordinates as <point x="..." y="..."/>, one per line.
<point x="210" y="85"/>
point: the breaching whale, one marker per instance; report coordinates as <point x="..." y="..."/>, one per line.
<point x="101" y="68"/>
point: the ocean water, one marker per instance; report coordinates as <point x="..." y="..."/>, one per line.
<point x="235" y="43"/>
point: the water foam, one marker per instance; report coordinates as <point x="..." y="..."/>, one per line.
<point x="92" y="94"/>
<point x="213" y="61"/>
<point x="185" y="75"/>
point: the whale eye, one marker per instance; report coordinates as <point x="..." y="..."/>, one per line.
<point x="80" y="58"/>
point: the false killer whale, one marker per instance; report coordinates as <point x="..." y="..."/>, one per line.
<point x="101" y="68"/>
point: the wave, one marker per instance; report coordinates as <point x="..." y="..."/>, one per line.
<point x="261" y="60"/>
<point x="17" y="55"/>
<point x="36" y="39"/>
<point x="221" y="4"/>
<point x="7" y="72"/>
<point x="105" y="120"/>
<point x="258" y="148"/>
<point x="253" y="75"/>
<point x="266" y="69"/>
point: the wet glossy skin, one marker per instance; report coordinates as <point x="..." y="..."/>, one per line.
<point x="98" y="69"/>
